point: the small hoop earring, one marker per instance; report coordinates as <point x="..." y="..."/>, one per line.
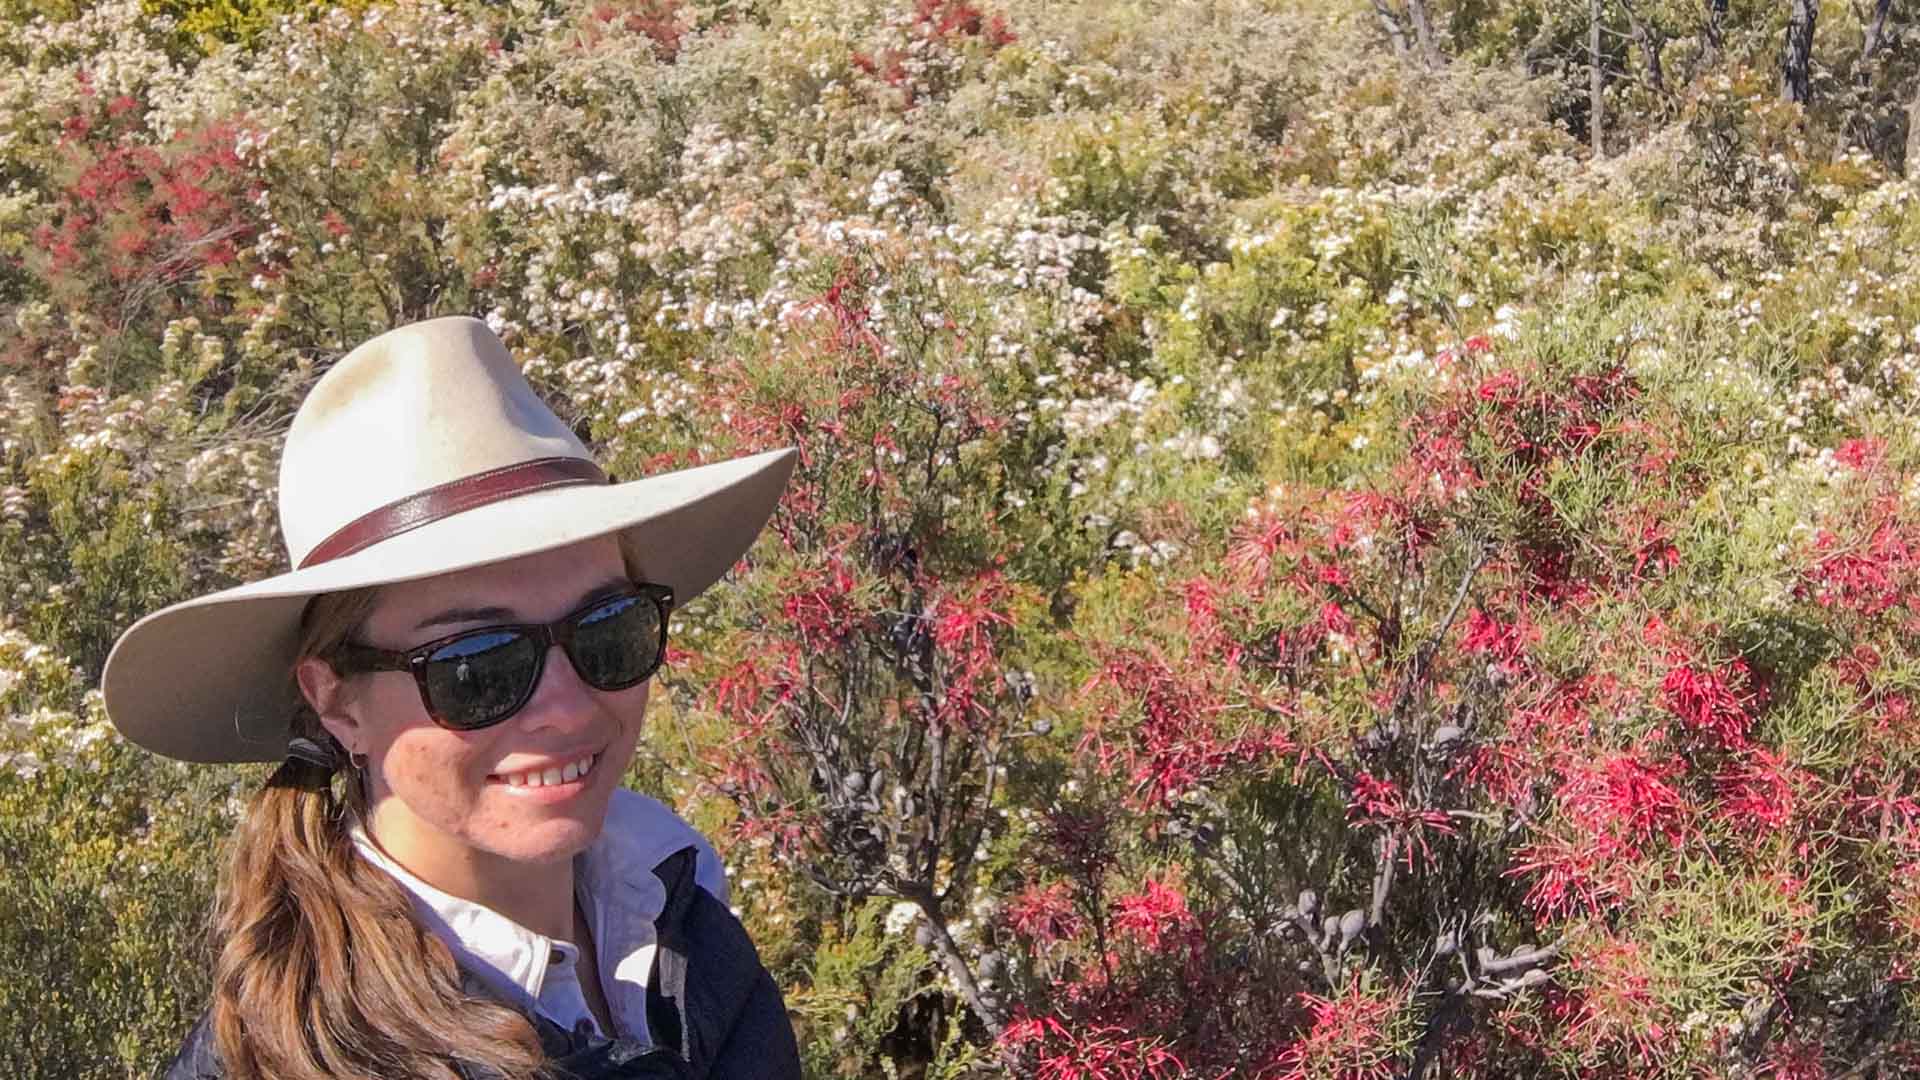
<point x="359" y="762"/>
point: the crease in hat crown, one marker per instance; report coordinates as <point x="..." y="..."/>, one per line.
<point x="412" y="409"/>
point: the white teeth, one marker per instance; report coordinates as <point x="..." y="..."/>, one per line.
<point x="566" y="774"/>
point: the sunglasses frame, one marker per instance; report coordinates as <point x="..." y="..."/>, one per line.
<point x="355" y="659"/>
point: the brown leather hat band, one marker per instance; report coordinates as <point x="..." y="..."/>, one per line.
<point x="453" y="497"/>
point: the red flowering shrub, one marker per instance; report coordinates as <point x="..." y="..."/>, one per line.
<point x="141" y="232"/>
<point x="1349" y="1038"/>
<point x="1488" y="737"/>
<point x="659" y="20"/>
<point x="1053" y="1052"/>
<point x="874" y="700"/>
<point x="1152" y="915"/>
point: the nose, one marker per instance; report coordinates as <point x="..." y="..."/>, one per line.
<point x="561" y="700"/>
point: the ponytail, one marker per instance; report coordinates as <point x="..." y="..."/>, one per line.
<point x="323" y="970"/>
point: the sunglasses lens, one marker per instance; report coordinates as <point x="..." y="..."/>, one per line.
<point x="482" y="678"/>
<point x="618" y="643"/>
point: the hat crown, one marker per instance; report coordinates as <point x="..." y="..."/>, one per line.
<point x="415" y="408"/>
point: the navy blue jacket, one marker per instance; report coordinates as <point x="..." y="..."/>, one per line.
<point x="714" y="1012"/>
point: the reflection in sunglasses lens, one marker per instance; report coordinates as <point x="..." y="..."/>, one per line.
<point x="479" y="679"/>
<point x="614" y="644"/>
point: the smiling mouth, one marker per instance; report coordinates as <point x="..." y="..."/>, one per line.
<point x="553" y="776"/>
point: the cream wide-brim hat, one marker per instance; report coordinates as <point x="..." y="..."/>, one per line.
<point x="421" y="452"/>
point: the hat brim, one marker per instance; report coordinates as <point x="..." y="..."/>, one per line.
<point x="208" y="679"/>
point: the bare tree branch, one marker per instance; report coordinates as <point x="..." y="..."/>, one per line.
<point x="1520" y="959"/>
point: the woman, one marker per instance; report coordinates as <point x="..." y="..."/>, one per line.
<point x="443" y="877"/>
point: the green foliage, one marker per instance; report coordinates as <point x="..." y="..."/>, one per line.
<point x="110" y="852"/>
<point x="19" y="11"/>
<point x="241" y="21"/>
<point x="87" y="534"/>
<point x="858" y="987"/>
<point x="114" y="860"/>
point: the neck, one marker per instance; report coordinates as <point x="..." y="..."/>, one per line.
<point x="538" y="897"/>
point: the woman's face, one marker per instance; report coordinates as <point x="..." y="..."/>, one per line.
<point x="452" y="806"/>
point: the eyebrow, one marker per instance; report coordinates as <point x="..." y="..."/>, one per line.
<point x="452" y="616"/>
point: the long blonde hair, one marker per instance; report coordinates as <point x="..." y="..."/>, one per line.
<point x="323" y="970"/>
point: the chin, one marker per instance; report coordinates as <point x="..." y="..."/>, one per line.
<point x="550" y="834"/>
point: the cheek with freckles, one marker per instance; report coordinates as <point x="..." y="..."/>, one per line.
<point x="436" y="772"/>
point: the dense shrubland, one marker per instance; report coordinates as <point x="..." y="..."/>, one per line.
<point x="1300" y="566"/>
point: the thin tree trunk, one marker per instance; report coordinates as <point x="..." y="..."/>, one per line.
<point x="1795" y="78"/>
<point x="1423" y="32"/>
<point x="1538" y="50"/>
<point x="1876" y="31"/>
<point x="1391" y="23"/>
<point x="1716" y="18"/>
<point x="989" y="1012"/>
<point x="1596" y="109"/>
<point x="1651" y="44"/>
<point x="1913" y="137"/>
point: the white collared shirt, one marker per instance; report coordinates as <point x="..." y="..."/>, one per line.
<point x="614" y="883"/>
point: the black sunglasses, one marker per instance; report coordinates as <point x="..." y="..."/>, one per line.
<point x="477" y="678"/>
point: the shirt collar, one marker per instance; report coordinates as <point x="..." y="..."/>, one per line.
<point x="613" y="880"/>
